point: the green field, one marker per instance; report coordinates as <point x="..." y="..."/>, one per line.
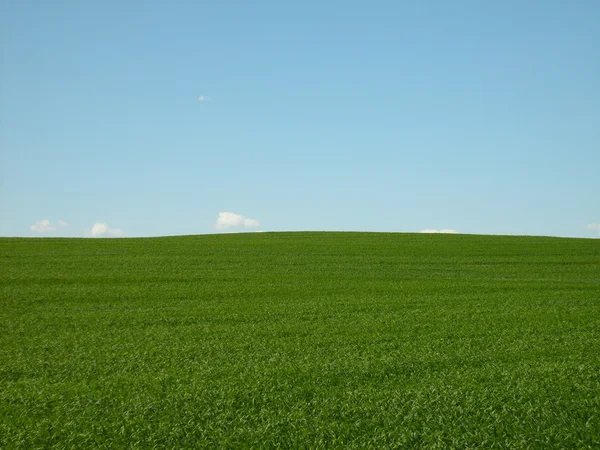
<point x="300" y="340"/>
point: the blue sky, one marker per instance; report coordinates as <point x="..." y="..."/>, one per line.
<point x="151" y="118"/>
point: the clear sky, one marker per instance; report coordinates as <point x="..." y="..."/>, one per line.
<point x="152" y="118"/>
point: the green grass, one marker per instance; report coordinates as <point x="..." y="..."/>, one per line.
<point x="300" y="340"/>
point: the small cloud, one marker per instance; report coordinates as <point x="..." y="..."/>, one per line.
<point x="231" y="220"/>
<point x="102" y="230"/>
<point x="62" y="223"/>
<point x="43" y="226"/>
<point x="442" y="231"/>
<point x="594" y="226"/>
<point x="204" y="98"/>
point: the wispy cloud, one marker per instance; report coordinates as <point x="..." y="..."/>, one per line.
<point x="204" y="98"/>
<point x="43" y="226"/>
<point x="103" y="230"/>
<point x="62" y="223"/>
<point x="228" y="220"/>
<point x="594" y="226"/>
<point x="443" y="231"/>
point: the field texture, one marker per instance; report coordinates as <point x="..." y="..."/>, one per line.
<point x="300" y="340"/>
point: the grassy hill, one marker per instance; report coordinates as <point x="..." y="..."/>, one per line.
<point x="300" y="340"/>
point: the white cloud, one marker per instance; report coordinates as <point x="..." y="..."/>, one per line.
<point x="102" y="230"/>
<point x="231" y="220"/>
<point x="62" y="223"/>
<point x="204" y="98"/>
<point x="43" y="226"/>
<point x="594" y="226"/>
<point x="443" y="231"/>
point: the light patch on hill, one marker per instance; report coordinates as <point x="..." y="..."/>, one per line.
<point x="443" y="231"/>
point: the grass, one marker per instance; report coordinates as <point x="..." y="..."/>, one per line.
<point x="300" y="340"/>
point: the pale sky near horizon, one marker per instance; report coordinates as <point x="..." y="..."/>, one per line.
<point x="163" y="118"/>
